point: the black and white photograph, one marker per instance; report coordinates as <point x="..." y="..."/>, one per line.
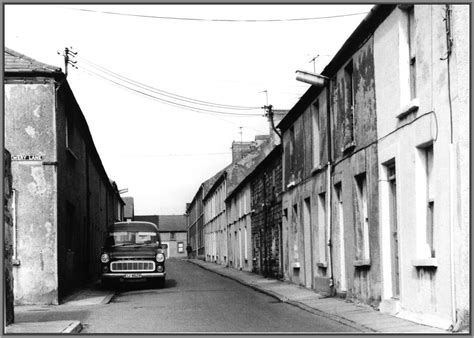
<point x="236" y="168"/>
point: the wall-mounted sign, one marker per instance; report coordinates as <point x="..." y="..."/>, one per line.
<point x="27" y="157"/>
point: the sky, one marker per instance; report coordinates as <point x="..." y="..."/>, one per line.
<point x="155" y="82"/>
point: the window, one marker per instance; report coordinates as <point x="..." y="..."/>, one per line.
<point x="349" y="78"/>
<point x="295" y="230"/>
<point x="362" y="220"/>
<point x="69" y="131"/>
<point x="172" y="235"/>
<point x="412" y="49"/>
<point x="315" y="124"/>
<point x="349" y="105"/>
<point x="428" y="157"/>
<point x="180" y="247"/>
<point x="292" y="147"/>
<point x="425" y="206"/>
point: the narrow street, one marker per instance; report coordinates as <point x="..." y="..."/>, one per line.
<point x="193" y="300"/>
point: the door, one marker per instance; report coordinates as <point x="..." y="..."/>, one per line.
<point x="394" y="231"/>
<point x="308" y="249"/>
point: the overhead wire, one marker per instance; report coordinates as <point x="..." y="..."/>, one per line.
<point x="163" y="92"/>
<point x="90" y="73"/>
<point x="216" y="20"/>
<point x="179" y="105"/>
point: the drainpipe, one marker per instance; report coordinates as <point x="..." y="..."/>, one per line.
<point x="452" y="167"/>
<point x="329" y="185"/>
<point x="322" y="81"/>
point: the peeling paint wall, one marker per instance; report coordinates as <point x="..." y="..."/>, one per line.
<point x="304" y="223"/>
<point x="363" y="281"/>
<point x="266" y="219"/>
<point x="64" y="199"/>
<point x="30" y="130"/>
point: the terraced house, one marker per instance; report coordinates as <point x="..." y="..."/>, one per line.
<point x="421" y="55"/>
<point x="374" y="160"/>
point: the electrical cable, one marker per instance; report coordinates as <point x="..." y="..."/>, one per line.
<point x="182" y="106"/>
<point x="216" y="20"/>
<point x="390" y="133"/>
<point x="165" y="93"/>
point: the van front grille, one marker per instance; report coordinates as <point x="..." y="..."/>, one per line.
<point x="120" y="266"/>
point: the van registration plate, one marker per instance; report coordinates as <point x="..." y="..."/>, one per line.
<point x="133" y="275"/>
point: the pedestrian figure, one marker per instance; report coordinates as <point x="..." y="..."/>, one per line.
<point x="189" y="249"/>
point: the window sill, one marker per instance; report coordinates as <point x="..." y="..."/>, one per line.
<point x="425" y="263"/>
<point x="348" y="147"/>
<point x="317" y="169"/>
<point x="362" y="262"/>
<point x="291" y="185"/>
<point x="70" y="152"/>
<point x="322" y="264"/>
<point x="295" y="265"/>
<point x="410" y="107"/>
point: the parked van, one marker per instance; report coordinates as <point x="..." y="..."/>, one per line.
<point x="132" y="252"/>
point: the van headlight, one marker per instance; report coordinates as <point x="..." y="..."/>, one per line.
<point x="104" y="258"/>
<point x="160" y="257"/>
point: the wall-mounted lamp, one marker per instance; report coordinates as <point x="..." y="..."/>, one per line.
<point x="317" y="80"/>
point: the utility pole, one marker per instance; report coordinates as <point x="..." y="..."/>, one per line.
<point x="68" y="53"/>
<point x="269" y="114"/>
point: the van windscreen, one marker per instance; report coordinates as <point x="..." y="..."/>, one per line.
<point x="132" y="237"/>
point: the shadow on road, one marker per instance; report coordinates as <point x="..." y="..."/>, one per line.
<point x="142" y="286"/>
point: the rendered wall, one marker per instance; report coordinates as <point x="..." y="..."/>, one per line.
<point x="425" y="291"/>
<point x="30" y="130"/>
<point x="173" y="243"/>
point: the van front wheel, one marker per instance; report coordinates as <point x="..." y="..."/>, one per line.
<point x="160" y="282"/>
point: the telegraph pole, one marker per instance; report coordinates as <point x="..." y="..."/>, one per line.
<point x="68" y="53"/>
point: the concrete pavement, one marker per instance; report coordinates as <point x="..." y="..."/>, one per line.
<point x="358" y="316"/>
<point x="89" y="295"/>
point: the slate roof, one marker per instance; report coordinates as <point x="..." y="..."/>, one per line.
<point x="168" y="223"/>
<point x="15" y="62"/>
<point x="147" y="218"/>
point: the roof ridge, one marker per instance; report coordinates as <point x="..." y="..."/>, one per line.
<point x="34" y="64"/>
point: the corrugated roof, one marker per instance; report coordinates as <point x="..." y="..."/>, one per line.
<point x="18" y="63"/>
<point x="169" y="223"/>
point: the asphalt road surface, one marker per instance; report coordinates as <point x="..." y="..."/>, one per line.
<point x="199" y="301"/>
